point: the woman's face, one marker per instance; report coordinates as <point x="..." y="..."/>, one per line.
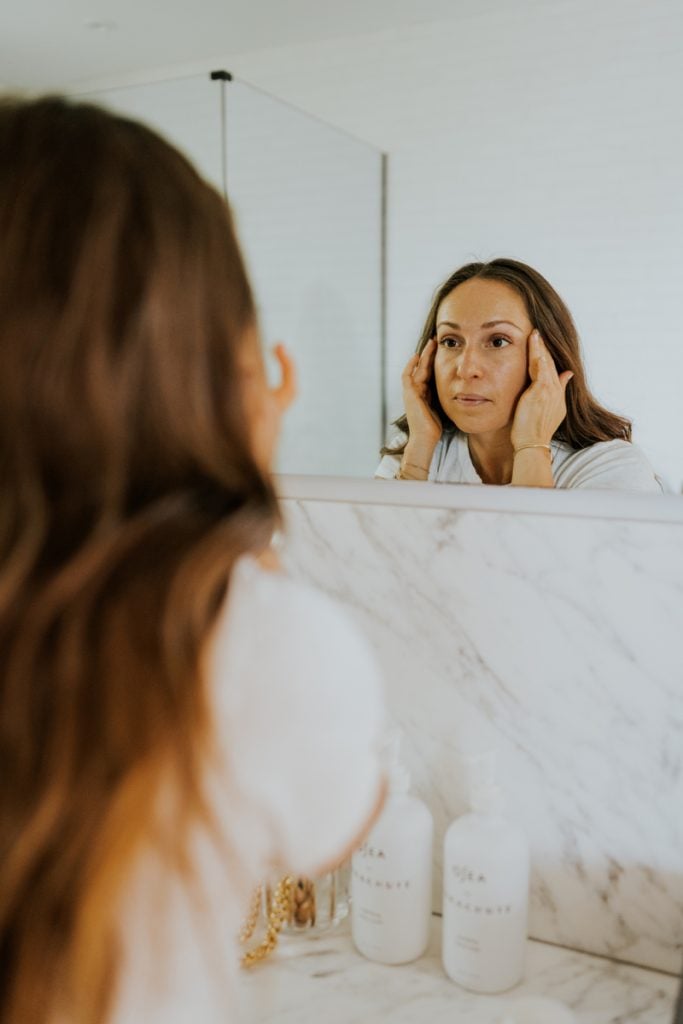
<point x="480" y="366"/>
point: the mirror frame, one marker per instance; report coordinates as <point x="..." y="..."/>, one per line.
<point x="591" y="504"/>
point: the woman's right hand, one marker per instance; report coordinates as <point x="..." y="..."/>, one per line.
<point x="274" y="402"/>
<point x="423" y="423"/>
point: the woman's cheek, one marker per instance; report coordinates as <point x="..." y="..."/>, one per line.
<point x="441" y="377"/>
<point x="443" y="367"/>
<point x="517" y="376"/>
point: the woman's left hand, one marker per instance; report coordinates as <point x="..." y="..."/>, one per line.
<point x="265" y="405"/>
<point x="542" y="407"/>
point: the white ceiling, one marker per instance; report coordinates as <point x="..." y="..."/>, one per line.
<point x="48" y="44"/>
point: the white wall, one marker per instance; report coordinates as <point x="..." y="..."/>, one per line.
<point x="554" y="641"/>
<point x="546" y="130"/>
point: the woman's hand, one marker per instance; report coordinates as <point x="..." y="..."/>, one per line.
<point x="542" y="407"/>
<point x="424" y="425"/>
<point x="423" y="422"/>
<point x="266" y="406"/>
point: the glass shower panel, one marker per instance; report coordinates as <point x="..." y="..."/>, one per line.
<point x="307" y="200"/>
<point x="187" y="111"/>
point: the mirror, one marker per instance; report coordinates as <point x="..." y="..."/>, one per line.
<point x="546" y="133"/>
<point x="308" y="206"/>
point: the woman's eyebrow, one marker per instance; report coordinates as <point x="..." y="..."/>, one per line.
<point x="489" y="323"/>
<point x="495" y="323"/>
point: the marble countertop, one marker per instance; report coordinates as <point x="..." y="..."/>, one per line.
<point x="325" y="979"/>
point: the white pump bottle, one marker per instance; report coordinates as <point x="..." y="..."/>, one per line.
<point x="391" y="876"/>
<point x="486" y="890"/>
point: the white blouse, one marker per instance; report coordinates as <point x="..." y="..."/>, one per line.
<point x="617" y="465"/>
<point x="296" y="775"/>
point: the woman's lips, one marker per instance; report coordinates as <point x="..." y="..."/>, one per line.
<point x="470" y="400"/>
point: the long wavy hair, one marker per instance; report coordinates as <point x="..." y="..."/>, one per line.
<point x="587" y="422"/>
<point x="129" y="489"/>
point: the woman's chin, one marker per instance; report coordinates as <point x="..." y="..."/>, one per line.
<point x="470" y="423"/>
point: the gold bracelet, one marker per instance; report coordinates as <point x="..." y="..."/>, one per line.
<point x="410" y="465"/>
<point x="523" y="446"/>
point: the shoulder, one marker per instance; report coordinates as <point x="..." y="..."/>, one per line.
<point x="299" y="712"/>
<point x="388" y="467"/>
<point x="616" y="465"/>
<point x="272" y="605"/>
<point x="279" y="633"/>
<point x="390" y="464"/>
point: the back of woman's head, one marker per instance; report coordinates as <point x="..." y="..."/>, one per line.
<point x="129" y="489"/>
<point x="123" y="300"/>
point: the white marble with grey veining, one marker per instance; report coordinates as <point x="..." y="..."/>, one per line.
<point x="558" y="641"/>
<point x="324" y="979"/>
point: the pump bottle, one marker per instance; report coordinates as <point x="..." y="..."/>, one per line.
<point x="486" y="890"/>
<point x="391" y="877"/>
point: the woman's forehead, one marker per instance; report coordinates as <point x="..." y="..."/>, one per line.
<point x="481" y="300"/>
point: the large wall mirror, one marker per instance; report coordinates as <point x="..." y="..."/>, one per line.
<point x="544" y="132"/>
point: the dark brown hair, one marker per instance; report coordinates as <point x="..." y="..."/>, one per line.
<point x="129" y="489"/>
<point x="587" y="422"/>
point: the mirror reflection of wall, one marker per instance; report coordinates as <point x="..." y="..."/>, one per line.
<point x="308" y="202"/>
<point x="308" y="205"/>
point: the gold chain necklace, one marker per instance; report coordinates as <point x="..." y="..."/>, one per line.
<point x="278" y="913"/>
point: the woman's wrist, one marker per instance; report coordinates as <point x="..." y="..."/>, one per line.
<point x="525" y="445"/>
<point x="416" y="460"/>
<point x="532" y="466"/>
<point x="407" y="471"/>
<point x="419" y="452"/>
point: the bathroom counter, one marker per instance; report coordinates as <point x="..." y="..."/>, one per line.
<point x="325" y="979"/>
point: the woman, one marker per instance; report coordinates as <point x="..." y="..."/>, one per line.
<point x="175" y="721"/>
<point x="496" y="393"/>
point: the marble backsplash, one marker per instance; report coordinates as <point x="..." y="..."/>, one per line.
<point x="557" y="642"/>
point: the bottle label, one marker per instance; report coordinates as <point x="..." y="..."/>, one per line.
<point x="470" y="892"/>
<point x="391" y="898"/>
<point x="371" y="869"/>
<point x="484" y="926"/>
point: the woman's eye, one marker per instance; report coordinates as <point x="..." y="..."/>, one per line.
<point x="449" y="342"/>
<point x="499" y="342"/>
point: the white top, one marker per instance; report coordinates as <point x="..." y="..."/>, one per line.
<point x="298" y="713"/>
<point x="616" y="465"/>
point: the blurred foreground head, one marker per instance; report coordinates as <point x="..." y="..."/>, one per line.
<point x="129" y="488"/>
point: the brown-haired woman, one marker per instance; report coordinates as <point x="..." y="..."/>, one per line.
<point x="175" y="722"/>
<point x="496" y="393"/>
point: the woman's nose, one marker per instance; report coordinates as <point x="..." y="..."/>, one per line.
<point x="468" y="364"/>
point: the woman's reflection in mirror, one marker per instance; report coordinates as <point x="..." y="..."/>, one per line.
<point x="496" y="393"/>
